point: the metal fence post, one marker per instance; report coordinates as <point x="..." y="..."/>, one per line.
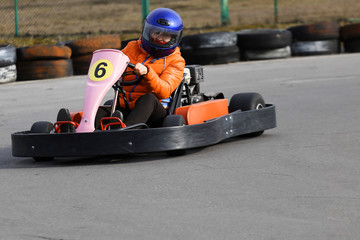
<point x="276" y="11"/>
<point x="16" y="18"/>
<point x="145" y="8"/>
<point x="224" y="12"/>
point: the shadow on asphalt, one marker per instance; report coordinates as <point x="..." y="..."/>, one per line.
<point x="7" y="161"/>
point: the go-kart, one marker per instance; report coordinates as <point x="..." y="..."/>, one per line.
<point x="194" y="119"/>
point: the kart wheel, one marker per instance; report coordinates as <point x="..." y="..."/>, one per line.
<point x="173" y="121"/>
<point x="42" y="127"/>
<point x="246" y="102"/>
<point x="109" y="102"/>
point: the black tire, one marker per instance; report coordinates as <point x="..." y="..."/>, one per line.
<point x="44" y="69"/>
<point x="246" y="102"/>
<point x="313" y="48"/>
<point x="109" y="102"/>
<point x="209" y="40"/>
<point x="207" y="56"/>
<point x="210" y="48"/>
<point x="43" y="52"/>
<point x="42" y="127"/>
<point x="352" y="45"/>
<point x="315" y="32"/>
<point x="81" y="64"/>
<point x="350" y="31"/>
<point x="266" y="54"/>
<point x="7" y="55"/>
<point x="174" y="121"/>
<point x="87" y="46"/>
<point x="257" y="39"/>
<point x="8" y="74"/>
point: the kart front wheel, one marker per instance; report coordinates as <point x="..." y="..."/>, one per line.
<point x="246" y="102"/>
<point x="42" y="127"/>
<point x="174" y="121"/>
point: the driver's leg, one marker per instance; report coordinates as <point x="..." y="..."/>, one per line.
<point x="148" y="109"/>
<point x="104" y="111"/>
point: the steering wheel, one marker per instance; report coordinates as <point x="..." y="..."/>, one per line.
<point x="127" y="73"/>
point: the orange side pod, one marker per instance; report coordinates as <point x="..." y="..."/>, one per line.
<point x="200" y="112"/>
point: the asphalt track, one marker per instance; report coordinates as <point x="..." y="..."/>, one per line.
<point x="299" y="181"/>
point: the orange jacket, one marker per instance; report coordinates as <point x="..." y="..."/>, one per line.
<point x="163" y="77"/>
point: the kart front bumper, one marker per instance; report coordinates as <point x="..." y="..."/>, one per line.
<point x="131" y="141"/>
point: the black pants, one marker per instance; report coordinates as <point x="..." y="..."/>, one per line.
<point x="148" y="109"/>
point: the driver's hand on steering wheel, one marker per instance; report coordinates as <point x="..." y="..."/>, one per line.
<point x="140" y="69"/>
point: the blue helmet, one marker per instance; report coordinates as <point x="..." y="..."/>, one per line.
<point x="165" y="23"/>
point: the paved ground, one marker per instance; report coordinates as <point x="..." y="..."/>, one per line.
<point x="299" y="181"/>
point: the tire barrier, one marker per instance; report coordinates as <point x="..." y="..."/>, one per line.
<point x="263" y="44"/>
<point x="82" y="50"/>
<point x="315" y="39"/>
<point x="81" y="64"/>
<point x="43" y="61"/>
<point x="7" y="55"/>
<point x="210" y="48"/>
<point x="267" y="54"/>
<point x="350" y="35"/>
<point x="45" y="52"/>
<point x="8" y="74"/>
<point x="74" y="57"/>
<point x="8" y="71"/>
<point x="44" y="69"/>
<point x="312" y="48"/>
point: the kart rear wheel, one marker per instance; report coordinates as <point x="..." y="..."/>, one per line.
<point x="42" y="127"/>
<point x="174" y="121"/>
<point x="246" y="102"/>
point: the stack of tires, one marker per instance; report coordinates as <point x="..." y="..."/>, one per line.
<point x="82" y="50"/>
<point x="7" y="63"/>
<point x="315" y="39"/>
<point x="350" y="35"/>
<point x="43" y="62"/>
<point x="264" y="44"/>
<point x="210" y="48"/>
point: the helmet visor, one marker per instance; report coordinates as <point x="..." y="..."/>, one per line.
<point x="161" y="37"/>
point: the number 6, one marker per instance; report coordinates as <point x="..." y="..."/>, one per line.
<point x="99" y="68"/>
